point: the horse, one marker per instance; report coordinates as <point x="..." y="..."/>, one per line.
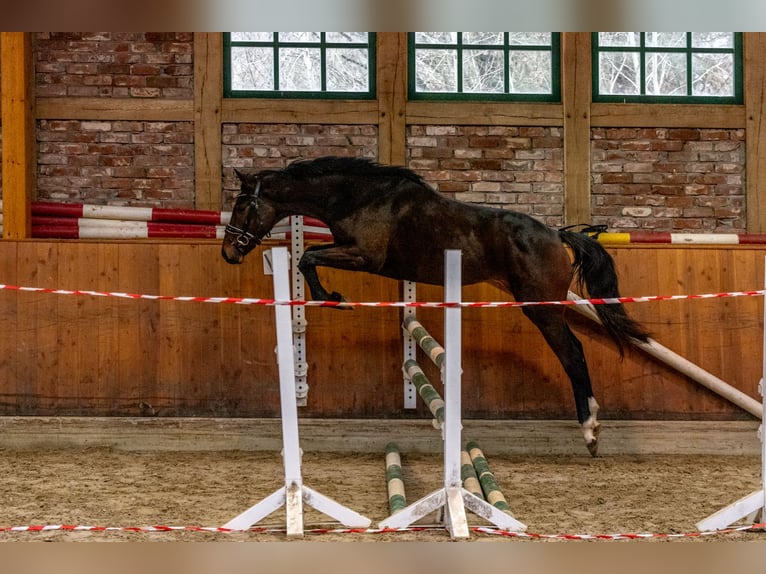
<point x="388" y="221"/>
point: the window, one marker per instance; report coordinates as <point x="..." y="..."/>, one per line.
<point x="299" y="64"/>
<point x="484" y="66"/>
<point x="673" y="67"/>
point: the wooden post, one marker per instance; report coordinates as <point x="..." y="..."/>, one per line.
<point x="576" y="99"/>
<point x="392" y="97"/>
<point x="208" y="82"/>
<point x="755" y="131"/>
<point x="18" y="129"/>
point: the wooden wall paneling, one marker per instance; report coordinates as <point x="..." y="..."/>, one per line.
<point x="18" y="130"/>
<point x="9" y="302"/>
<point x="168" y="392"/>
<point x="703" y="328"/>
<point x="755" y="136"/>
<point x="508" y="366"/>
<point x="355" y="357"/>
<point x="208" y="94"/>
<point x="252" y="385"/>
<point x="107" y="319"/>
<point x="138" y="333"/>
<point x="201" y="359"/>
<point x="75" y="369"/>
<point x="392" y="97"/>
<point x="740" y="320"/>
<point x="37" y="345"/>
<point x="576" y="98"/>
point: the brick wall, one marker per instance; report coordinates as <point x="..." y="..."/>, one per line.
<point x="274" y="146"/>
<point x="519" y="168"/>
<point x="669" y="179"/>
<point x="114" y="65"/>
<point x="116" y="162"/>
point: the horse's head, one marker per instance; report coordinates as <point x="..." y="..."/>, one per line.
<point x="252" y="219"/>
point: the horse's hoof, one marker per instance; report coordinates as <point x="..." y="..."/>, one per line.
<point x="593" y="447"/>
<point x="340" y="299"/>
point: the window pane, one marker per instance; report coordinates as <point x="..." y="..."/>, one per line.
<point x="530" y="72"/>
<point x="529" y="38"/>
<point x="436" y="71"/>
<point x="619" y="73"/>
<point x="347" y="70"/>
<point x="436" y="37"/>
<point x="713" y="39"/>
<point x="619" y="39"/>
<point x="252" y="36"/>
<point x="300" y="36"/>
<point x="300" y="69"/>
<point x="252" y="69"/>
<point x="713" y="75"/>
<point x="483" y="71"/>
<point x="665" y="74"/>
<point x="666" y="39"/>
<point x="495" y="38"/>
<point x="346" y="37"/>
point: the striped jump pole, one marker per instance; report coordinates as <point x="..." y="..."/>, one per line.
<point x="397" y="500"/>
<point x="489" y="486"/>
<point x="426" y="390"/>
<point x="468" y="475"/>
<point x="426" y="342"/>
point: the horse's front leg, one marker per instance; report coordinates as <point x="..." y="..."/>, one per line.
<point x="338" y="257"/>
<point x="569" y="351"/>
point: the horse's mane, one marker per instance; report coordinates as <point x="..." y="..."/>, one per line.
<point x="305" y="169"/>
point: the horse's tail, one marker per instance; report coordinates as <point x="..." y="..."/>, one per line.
<point x="594" y="269"/>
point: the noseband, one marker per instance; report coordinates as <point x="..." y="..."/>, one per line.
<point x="243" y="236"/>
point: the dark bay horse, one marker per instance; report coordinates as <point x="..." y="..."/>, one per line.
<point x="388" y="221"/>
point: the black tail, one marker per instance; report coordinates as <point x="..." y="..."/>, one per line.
<point x="595" y="270"/>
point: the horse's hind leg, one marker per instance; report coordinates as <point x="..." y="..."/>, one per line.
<point x="569" y="351"/>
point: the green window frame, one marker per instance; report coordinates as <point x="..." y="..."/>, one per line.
<point x="667" y="67"/>
<point x="320" y="54"/>
<point x="485" y="66"/>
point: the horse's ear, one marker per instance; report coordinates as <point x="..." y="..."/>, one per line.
<point x="240" y="175"/>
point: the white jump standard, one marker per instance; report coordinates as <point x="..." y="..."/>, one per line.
<point x="295" y="493"/>
<point x="452" y="497"/>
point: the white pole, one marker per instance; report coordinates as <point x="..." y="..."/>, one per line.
<point x="455" y="519"/>
<point x="762" y="430"/>
<point x="295" y="493"/>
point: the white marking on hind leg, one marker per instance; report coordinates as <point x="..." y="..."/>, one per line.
<point x="591" y="427"/>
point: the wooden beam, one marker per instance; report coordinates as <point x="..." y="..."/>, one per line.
<point x="667" y="116"/>
<point x="755" y="135"/>
<point x="392" y="97"/>
<point x="484" y="113"/>
<point x="18" y="129"/>
<point x="276" y="111"/>
<point x="576" y="101"/>
<point x="208" y="95"/>
<point x="111" y="109"/>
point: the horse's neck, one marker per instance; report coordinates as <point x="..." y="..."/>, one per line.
<point x="316" y="202"/>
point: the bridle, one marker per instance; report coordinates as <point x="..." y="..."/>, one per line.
<point x="243" y="236"/>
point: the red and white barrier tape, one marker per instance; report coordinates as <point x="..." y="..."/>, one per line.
<point x="318" y="531"/>
<point x="419" y="304"/>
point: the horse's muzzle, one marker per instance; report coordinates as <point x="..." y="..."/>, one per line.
<point x="231" y="254"/>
